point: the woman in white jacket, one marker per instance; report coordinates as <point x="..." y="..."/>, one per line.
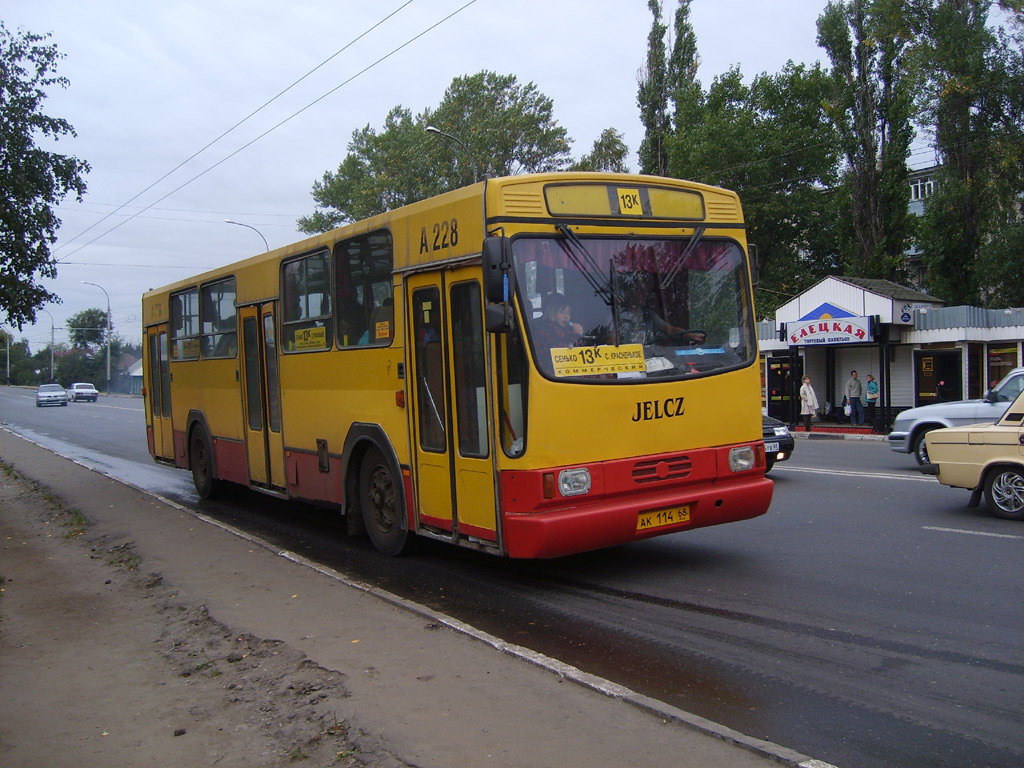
<point x="808" y="402"/>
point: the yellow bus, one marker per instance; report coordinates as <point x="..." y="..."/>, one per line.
<point x="532" y="366"/>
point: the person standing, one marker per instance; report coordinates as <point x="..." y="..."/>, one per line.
<point x="871" y="398"/>
<point x="854" y="390"/>
<point x="808" y="402"/>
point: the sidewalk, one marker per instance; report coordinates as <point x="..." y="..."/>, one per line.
<point x="828" y="431"/>
<point x="419" y="688"/>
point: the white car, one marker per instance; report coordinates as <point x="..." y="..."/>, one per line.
<point x="83" y="391"/>
<point x="911" y="426"/>
<point x="51" y="394"/>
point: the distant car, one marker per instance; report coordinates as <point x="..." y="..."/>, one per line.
<point x="82" y="391"/>
<point x="910" y="427"/>
<point x="51" y="394"/>
<point x="984" y="458"/>
<point x="778" y="441"/>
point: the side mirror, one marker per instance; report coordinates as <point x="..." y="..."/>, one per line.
<point x="499" y="284"/>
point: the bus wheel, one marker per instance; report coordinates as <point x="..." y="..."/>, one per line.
<point x="379" y="502"/>
<point x="201" y="462"/>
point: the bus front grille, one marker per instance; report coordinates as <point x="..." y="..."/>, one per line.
<point x="658" y="470"/>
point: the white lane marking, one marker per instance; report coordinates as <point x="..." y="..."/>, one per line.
<point x="972" y="533"/>
<point x="853" y="473"/>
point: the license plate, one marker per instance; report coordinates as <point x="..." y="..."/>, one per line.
<point x="647" y="520"/>
<point x="771" y="447"/>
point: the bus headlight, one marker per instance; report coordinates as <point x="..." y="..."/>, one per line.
<point x="574" y="482"/>
<point x="741" y="458"/>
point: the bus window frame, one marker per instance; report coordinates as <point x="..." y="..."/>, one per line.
<point x="359" y="292"/>
<point x="290" y="327"/>
<point x="218" y="337"/>
<point x="180" y="341"/>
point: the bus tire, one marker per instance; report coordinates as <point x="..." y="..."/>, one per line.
<point x="379" y="502"/>
<point x="200" y="459"/>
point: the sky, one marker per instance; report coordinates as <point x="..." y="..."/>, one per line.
<point x="153" y="83"/>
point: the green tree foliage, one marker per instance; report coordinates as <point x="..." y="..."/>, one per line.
<point x="492" y="124"/>
<point x="33" y="179"/>
<point x="870" y="44"/>
<point x="24" y="366"/>
<point x="771" y="142"/>
<point x="609" y="154"/>
<point x="88" y="329"/>
<point x="974" y="104"/>
<point x="652" y="97"/>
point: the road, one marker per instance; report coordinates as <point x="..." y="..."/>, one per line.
<point x="869" y="619"/>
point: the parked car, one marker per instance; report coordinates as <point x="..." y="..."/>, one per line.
<point x="51" y="394"/>
<point x="83" y="391"/>
<point x="910" y="427"/>
<point x="984" y="458"/>
<point x="778" y="441"/>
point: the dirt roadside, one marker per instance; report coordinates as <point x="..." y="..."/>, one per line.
<point x="134" y="632"/>
<point x="121" y="672"/>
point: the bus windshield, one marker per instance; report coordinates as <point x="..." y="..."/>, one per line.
<point x="606" y="310"/>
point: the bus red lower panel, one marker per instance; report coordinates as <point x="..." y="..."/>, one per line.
<point x="707" y="493"/>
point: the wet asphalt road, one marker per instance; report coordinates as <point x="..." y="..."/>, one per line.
<point x="869" y="619"/>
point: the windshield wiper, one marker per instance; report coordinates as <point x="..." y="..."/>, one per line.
<point x="669" y="276"/>
<point x="591" y="269"/>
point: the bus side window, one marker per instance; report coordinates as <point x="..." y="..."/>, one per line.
<point x="306" y="322"/>
<point x="363" y="279"/>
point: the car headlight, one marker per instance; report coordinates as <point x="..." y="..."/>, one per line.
<point x="574" y="482"/>
<point x="741" y="458"/>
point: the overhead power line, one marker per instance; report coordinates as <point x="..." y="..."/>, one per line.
<point x="198" y="152"/>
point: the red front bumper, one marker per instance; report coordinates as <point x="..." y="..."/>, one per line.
<point x="538" y="527"/>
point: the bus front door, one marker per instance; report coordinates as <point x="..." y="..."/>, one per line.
<point x="159" y="393"/>
<point x="261" y="394"/>
<point x="454" y="473"/>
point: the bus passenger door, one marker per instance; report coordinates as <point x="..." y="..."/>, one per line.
<point x="261" y="395"/>
<point x="159" y="393"/>
<point x="454" y="473"/>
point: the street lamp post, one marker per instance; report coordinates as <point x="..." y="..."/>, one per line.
<point x="472" y="160"/>
<point x="250" y="226"/>
<point x="97" y="285"/>
<point x="51" y="342"/>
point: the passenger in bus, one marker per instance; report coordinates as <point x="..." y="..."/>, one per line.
<point x="382" y="324"/>
<point x="555" y="329"/>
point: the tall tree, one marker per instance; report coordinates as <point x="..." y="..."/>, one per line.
<point x="770" y="142"/>
<point x="871" y="105"/>
<point x="609" y="154"/>
<point x="652" y="97"/>
<point x="488" y="123"/>
<point x="33" y="179"/>
<point x="88" y="328"/>
<point x="973" y="105"/>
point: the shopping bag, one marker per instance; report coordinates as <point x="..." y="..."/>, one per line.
<point x="848" y="409"/>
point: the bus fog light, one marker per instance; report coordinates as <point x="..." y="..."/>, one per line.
<point x="741" y="459"/>
<point x="574" y="482"/>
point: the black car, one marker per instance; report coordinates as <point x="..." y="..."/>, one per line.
<point x="778" y="441"/>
